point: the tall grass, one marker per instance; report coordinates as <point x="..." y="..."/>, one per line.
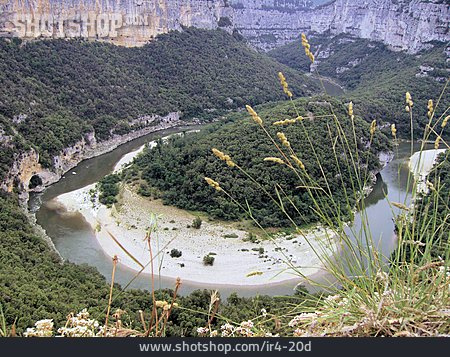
<point x="408" y="295"/>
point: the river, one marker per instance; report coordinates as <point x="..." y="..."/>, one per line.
<point x="75" y="240"/>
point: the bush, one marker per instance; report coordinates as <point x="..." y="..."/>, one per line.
<point x="175" y="253"/>
<point x="231" y="235"/>
<point x="208" y="260"/>
<point x="197" y="223"/>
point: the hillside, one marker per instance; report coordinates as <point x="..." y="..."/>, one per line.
<point x="176" y="171"/>
<point x="54" y="92"/>
<point x="376" y="78"/>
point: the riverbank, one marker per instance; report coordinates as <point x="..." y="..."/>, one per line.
<point x="83" y="153"/>
<point x="271" y="261"/>
<point x="420" y="164"/>
<point x="236" y="260"/>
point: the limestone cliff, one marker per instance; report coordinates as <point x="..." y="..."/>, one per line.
<point x="27" y="166"/>
<point x="401" y="24"/>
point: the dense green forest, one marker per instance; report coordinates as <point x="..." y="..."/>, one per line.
<point x="376" y="78"/>
<point x="176" y="171"/>
<point x="35" y="285"/>
<point x="52" y="92"/>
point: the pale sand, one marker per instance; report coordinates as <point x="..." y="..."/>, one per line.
<point x="234" y="258"/>
<point x="420" y="164"/>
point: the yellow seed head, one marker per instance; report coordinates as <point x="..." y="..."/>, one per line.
<point x="307" y="47"/>
<point x="298" y="162"/>
<point x="373" y="127"/>
<point x="283" y="140"/>
<point x="430" y="108"/>
<point x="350" y="109"/>
<point x="254" y="115"/>
<point x="219" y="154"/>
<point x="161" y="303"/>
<point x="284" y="84"/>
<point x="408" y="100"/>
<point x="393" y="130"/>
<point x="275" y="160"/>
<point x="213" y="184"/>
<point x="224" y="157"/>
<point x="445" y="121"/>
<point x="281" y="77"/>
<point x="407" y="109"/>
<point x="437" y="142"/>
<point x="400" y="205"/>
<point x="285" y="122"/>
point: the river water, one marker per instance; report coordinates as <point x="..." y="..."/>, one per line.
<point x="76" y="242"/>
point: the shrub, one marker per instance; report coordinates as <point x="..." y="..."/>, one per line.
<point x="197" y="223"/>
<point x="175" y="253"/>
<point x="208" y="260"/>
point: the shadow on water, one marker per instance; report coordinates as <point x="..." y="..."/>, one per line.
<point x="76" y="242"/>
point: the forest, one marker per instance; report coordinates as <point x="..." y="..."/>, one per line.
<point x="375" y="77"/>
<point x="176" y="170"/>
<point x="53" y="92"/>
<point x="35" y="284"/>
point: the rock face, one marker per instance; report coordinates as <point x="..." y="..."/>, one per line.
<point x="122" y="22"/>
<point x="27" y="166"/>
<point x="402" y="24"/>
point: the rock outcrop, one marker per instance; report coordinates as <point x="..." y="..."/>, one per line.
<point x="27" y="165"/>
<point x="402" y="24"/>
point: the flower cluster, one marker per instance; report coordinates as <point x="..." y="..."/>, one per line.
<point x="81" y="325"/>
<point x="202" y="331"/>
<point x="245" y="329"/>
<point x="228" y="330"/>
<point x="307" y="47"/>
<point x="42" y="328"/>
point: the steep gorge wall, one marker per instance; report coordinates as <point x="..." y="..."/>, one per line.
<point x="402" y="24"/>
<point x="27" y="164"/>
<point x="123" y="22"/>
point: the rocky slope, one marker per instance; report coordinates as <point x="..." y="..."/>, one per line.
<point x="402" y="24"/>
<point x="29" y="174"/>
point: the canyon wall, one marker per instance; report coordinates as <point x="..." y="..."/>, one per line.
<point x="27" y="166"/>
<point x="401" y="24"/>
